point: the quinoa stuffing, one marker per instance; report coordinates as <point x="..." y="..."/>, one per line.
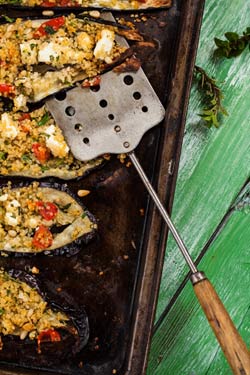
<point x="23" y="311"/>
<point x="32" y="145"/>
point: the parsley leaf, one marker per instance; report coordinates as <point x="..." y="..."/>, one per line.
<point x="234" y="44"/>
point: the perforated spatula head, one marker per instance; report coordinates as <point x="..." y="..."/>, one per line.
<point x="110" y="118"/>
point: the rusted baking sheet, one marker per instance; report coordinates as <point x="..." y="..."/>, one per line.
<point x="117" y="276"/>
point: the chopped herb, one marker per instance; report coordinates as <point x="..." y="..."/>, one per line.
<point x="44" y="119"/>
<point x="44" y="168"/>
<point x="83" y="215"/>
<point x="59" y="162"/>
<point x="8" y="19"/>
<point x="234" y="44"/>
<point x="26" y="157"/>
<point x="32" y="46"/>
<point x="65" y="208"/>
<point x="212" y="98"/>
<point x="45" y="135"/>
<point x="49" y="30"/>
<point x="1" y="311"/>
<point x="3" y="155"/>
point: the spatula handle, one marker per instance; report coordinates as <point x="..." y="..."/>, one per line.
<point x="230" y="341"/>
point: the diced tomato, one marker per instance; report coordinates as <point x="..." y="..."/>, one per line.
<point x="67" y="3"/>
<point x="48" y="4"/>
<point x="25" y="127"/>
<point x="62" y="3"/>
<point x="90" y="82"/>
<point x="47" y="210"/>
<point x="49" y="27"/>
<point x="24" y="116"/>
<point x="41" y="151"/>
<point x="49" y="335"/>
<point x="43" y="237"/>
<point x="6" y="88"/>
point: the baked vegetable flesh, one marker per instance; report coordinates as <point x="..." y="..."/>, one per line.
<point x="109" y="4"/>
<point x="35" y="219"/>
<point x="32" y="145"/>
<point x="29" y="320"/>
<point x="41" y="57"/>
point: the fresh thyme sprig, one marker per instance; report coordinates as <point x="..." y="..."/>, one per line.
<point x="234" y="45"/>
<point x="212" y="98"/>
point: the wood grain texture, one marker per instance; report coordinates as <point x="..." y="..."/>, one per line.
<point x="184" y="344"/>
<point x="232" y="344"/>
<point x="214" y="163"/>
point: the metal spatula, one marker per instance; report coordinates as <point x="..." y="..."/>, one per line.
<point x="112" y="118"/>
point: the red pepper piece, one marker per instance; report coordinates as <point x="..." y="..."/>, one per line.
<point x="49" y="27"/>
<point x="41" y="151"/>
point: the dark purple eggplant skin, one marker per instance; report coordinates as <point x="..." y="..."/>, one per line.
<point x="70" y="249"/>
<point x="74" y="337"/>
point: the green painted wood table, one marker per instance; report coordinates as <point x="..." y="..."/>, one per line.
<point x="211" y="210"/>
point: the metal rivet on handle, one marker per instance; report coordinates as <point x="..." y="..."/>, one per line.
<point x="117" y="128"/>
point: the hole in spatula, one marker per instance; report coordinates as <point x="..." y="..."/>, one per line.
<point x="128" y="80"/>
<point x="95" y="88"/>
<point x="137" y="95"/>
<point x="70" y="111"/>
<point x="86" y="141"/>
<point x="103" y="103"/>
<point x="61" y="95"/>
<point x="111" y="116"/>
<point x="144" y="108"/>
<point x="78" y="127"/>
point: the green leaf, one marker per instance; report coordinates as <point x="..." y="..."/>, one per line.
<point x="212" y="96"/>
<point x="232" y="37"/>
<point x="221" y="43"/>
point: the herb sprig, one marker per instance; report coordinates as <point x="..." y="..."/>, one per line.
<point x="234" y="44"/>
<point x="213" y="97"/>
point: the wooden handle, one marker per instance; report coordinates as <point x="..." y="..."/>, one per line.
<point x="233" y="346"/>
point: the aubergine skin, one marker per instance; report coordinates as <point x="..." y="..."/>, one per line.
<point x="74" y="337"/>
<point x="69" y="249"/>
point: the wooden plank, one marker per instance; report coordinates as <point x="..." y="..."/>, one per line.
<point x="185" y="344"/>
<point x="214" y="163"/>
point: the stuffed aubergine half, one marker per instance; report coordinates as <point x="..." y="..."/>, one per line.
<point x="42" y="57"/>
<point x="32" y="327"/>
<point x="42" y="219"/>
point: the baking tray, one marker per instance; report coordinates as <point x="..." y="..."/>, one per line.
<point x="116" y="277"/>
